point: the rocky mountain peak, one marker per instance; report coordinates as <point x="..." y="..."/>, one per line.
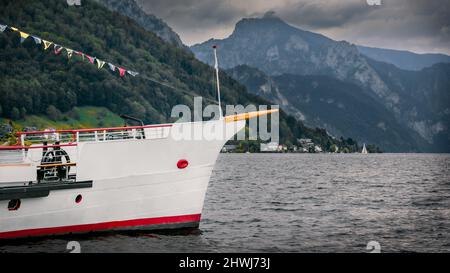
<point x="150" y="22"/>
<point x="278" y="48"/>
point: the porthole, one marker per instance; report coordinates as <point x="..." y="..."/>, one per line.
<point x="14" y="204"/>
<point x="78" y="198"/>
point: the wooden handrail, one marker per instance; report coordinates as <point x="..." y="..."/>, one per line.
<point x="15" y="165"/>
<point x="57" y="165"/>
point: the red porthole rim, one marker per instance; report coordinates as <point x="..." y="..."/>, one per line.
<point x="182" y="163"/>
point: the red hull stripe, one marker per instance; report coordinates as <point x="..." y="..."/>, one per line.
<point x="102" y="226"/>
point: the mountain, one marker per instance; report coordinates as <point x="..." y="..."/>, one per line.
<point x="37" y="82"/>
<point x="149" y="22"/>
<point x="277" y="48"/>
<point x="404" y="59"/>
<point x="324" y="101"/>
<point x="425" y="105"/>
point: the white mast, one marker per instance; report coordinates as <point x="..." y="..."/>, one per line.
<point x="216" y="66"/>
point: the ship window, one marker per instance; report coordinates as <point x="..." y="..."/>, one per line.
<point x="78" y="198"/>
<point x="14" y="204"/>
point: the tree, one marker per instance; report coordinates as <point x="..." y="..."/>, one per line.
<point x="334" y="148"/>
<point x="53" y="113"/>
<point x="15" y="114"/>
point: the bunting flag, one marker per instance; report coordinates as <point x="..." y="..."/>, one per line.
<point x="37" y="40"/>
<point x="112" y="67"/>
<point x="69" y="52"/>
<point x="132" y="73"/>
<point x="100" y="64"/>
<point x="122" y="71"/>
<point x="46" y="44"/>
<point x="91" y="59"/>
<point x="23" y="36"/>
<point x="58" y="48"/>
<point x="80" y="54"/>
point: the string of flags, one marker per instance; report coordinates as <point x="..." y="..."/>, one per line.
<point x="57" y="49"/>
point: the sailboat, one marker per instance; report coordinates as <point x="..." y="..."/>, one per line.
<point x="124" y="178"/>
<point x="364" y="150"/>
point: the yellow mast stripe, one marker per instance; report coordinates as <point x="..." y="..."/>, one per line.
<point x="249" y="115"/>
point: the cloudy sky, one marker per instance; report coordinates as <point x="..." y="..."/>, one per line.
<point x="417" y="25"/>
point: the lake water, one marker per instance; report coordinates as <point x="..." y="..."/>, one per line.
<point x="302" y="203"/>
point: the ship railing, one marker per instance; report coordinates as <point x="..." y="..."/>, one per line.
<point x="54" y="153"/>
<point x="48" y="137"/>
<point x="25" y="139"/>
<point x="157" y="132"/>
<point x="103" y="135"/>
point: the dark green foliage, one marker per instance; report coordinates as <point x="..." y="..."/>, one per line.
<point x="32" y="79"/>
<point x="53" y="113"/>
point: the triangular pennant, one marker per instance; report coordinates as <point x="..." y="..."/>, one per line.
<point x="132" y="73"/>
<point x="37" y="40"/>
<point x="112" y="67"/>
<point x="91" y="59"/>
<point x="100" y="64"/>
<point x="58" y="49"/>
<point x="79" y="53"/>
<point x="122" y="71"/>
<point x="69" y="52"/>
<point x="23" y="36"/>
<point x="47" y="44"/>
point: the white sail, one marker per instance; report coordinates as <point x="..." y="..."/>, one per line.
<point x="364" y="150"/>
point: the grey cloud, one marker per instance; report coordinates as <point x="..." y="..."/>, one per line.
<point x="417" y="25"/>
<point x="324" y="14"/>
<point x="196" y="20"/>
<point x="187" y="13"/>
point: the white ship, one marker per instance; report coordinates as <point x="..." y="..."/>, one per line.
<point x="124" y="178"/>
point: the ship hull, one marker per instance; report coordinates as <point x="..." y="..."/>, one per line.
<point x="136" y="185"/>
<point x="149" y="224"/>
